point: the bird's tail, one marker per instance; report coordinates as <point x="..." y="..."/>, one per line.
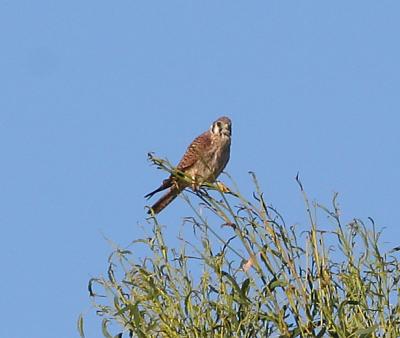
<point x="165" y="185"/>
<point x="164" y="200"/>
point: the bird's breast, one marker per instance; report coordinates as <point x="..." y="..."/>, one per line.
<point x="212" y="161"/>
<point x="219" y="157"/>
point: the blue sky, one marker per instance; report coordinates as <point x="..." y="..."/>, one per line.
<point x="89" y="87"/>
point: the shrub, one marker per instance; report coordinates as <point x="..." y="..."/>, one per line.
<point x="254" y="277"/>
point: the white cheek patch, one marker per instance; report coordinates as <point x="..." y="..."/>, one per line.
<point x="214" y="128"/>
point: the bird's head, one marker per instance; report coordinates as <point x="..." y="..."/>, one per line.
<point x="222" y="127"/>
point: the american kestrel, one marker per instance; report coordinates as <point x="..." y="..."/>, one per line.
<point x="202" y="162"/>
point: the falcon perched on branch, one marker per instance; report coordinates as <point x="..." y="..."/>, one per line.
<point x="202" y="162"/>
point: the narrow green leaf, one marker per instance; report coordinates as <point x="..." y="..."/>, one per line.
<point x="272" y="286"/>
<point x="235" y="286"/>
<point x="342" y="306"/>
<point x="367" y="331"/>
<point x="245" y="287"/>
<point x="136" y="316"/>
<point x="90" y="286"/>
<point x="104" y="328"/>
<point x="80" y="326"/>
<point x="232" y="280"/>
<point x="123" y="310"/>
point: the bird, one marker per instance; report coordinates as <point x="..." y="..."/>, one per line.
<point x="203" y="161"/>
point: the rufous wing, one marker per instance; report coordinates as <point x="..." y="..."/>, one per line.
<point x="195" y="151"/>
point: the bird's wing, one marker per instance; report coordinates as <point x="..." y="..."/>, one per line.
<point x="195" y="150"/>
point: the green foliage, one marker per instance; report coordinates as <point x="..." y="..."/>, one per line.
<point x="254" y="277"/>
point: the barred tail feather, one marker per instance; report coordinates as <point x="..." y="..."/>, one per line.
<point x="165" y="185"/>
<point x="164" y="200"/>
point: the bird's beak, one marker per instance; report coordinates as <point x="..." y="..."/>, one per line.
<point x="226" y="131"/>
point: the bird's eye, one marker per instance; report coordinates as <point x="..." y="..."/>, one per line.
<point x="217" y="127"/>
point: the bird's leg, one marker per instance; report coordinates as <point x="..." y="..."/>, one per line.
<point x="195" y="184"/>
